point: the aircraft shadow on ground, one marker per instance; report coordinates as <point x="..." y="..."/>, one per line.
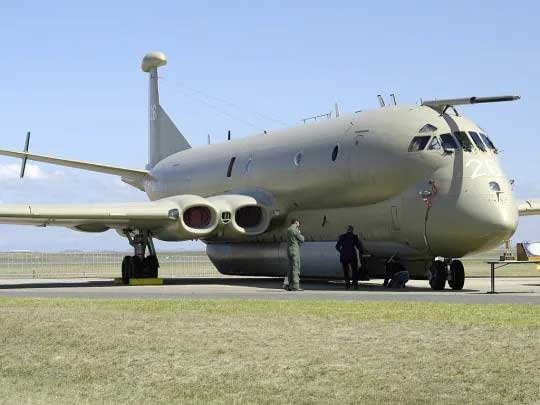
<point x="57" y="284"/>
<point x="259" y="283"/>
<point x="307" y="285"/>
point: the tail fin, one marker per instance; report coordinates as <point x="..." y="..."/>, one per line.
<point x="164" y="138"/>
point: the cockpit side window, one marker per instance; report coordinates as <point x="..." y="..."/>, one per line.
<point x="448" y="141"/>
<point x="476" y="138"/>
<point x="435" y="144"/>
<point x="418" y="143"/>
<point x="464" y="140"/>
<point x="488" y="142"/>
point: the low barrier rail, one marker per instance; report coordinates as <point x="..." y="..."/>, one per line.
<point x="98" y="264"/>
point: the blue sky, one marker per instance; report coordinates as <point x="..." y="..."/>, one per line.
<point x="71" y="74"/>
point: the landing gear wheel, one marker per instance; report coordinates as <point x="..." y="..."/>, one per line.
<point x="457" y="275"/>
<point x="151" y="266"/>
<point x="438" y="275"/>
<point x="135" y="267"/>
<point x="139" y="265"/>
<point x="125" y="269"/>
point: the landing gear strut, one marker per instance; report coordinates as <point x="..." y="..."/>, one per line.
<point x="139" y="265"/>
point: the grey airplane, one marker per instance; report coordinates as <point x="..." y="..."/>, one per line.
<point x="419" y="182"/>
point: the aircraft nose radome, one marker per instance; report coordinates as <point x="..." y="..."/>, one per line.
<point x="492" y="226"/>
<point x="477" y="225"/>
<point x="496" y="218"/>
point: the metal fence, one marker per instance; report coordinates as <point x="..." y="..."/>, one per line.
<point x="98" y="264"/>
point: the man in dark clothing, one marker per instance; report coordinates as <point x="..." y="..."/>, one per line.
<point x="347" y="246"/>
<point x="396" y="275"/>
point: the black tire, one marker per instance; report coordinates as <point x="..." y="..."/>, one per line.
<point x="135" y="267"/>
<point x="438" y="275"/>
<point x="125" y="269"/>
<point x="457" y="275"/>
<point x="151" y="265"/>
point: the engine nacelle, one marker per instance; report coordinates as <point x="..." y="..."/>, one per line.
<point x="240" y="216"/>
<point x="196" y="218"/>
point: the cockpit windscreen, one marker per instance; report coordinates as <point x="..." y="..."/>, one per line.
<point x="418" y="143"/>
<point x="477" y="141"/>
<point x="464" y="140"/>
<point x="488" y="142"/>
<point x="448" y="142"/>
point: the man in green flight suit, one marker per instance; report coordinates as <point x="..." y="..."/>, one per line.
<point x="294" y="238"/>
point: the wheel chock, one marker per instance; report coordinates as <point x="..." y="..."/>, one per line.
<point x="140" y="281"/>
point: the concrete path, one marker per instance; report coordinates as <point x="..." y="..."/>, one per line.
<point x="510" y="290"/>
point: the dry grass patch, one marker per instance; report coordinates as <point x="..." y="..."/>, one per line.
<point x="194" y="351"/>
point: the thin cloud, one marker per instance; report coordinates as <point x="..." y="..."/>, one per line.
<point x="11" y="171"/>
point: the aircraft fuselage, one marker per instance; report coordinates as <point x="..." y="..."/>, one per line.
<point x="358" y="170"/>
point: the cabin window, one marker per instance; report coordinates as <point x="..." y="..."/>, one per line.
<point x="298" y="159"/>
<point x="435" y="144"/>
<point x="488" y="142"/>
<point x="418" y="143"/>
<point x="494" y="186"/>
<point x="249" y="165"/>
<point x="448" y="141"/>
<point x="428" y="128"/>
<point x="335" y="153"/>
<point x="464" y="140"/>
<point x="478" y="142"/>
<point x="231" y="165"/>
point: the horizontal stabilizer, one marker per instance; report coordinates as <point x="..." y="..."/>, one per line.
<point x="529" y="207"/>
<point x="134" y="174"/>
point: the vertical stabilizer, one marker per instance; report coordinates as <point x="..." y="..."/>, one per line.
<point x="164" y="138"/>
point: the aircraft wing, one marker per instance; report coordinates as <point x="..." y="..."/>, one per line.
<point x="78" y="164"/>
<point x="175" y="218"/>
<point x="529" y="207"/>
<point x="92" y="217"/>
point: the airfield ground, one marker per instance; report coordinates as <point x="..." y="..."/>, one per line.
<point x="216" y="339"/>
<point x="251" y="351"/>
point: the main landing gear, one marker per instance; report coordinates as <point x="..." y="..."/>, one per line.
<point x="139" y="266"/>
<point x="452" y="271"/>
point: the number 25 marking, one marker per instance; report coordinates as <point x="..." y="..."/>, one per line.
<point x="483" y="168"/>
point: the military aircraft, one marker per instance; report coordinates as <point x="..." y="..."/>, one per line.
<point x="419" y="182"/>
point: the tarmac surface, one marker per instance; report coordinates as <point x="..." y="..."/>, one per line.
<point x="525" y="290"/>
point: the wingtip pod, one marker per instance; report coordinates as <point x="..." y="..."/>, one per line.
<point x="441" y="104"/>
<point x="153" y="60"/>
<point x="496" y="99"/>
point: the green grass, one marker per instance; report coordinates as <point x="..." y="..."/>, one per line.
<point x="195" y="351"/>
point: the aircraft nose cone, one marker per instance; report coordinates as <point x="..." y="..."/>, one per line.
<point x="474" y="227"/>
<point x="496" y="224"/>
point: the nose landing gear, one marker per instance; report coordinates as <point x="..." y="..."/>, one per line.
<point x="437" y="275"/>
<point x="441" y="271"/>
<point x="139" y="266"/>
<point x="456" y="277"/>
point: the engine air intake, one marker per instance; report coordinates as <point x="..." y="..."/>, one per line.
<point x="248" y="217"/>
<point x="198" y="217"/>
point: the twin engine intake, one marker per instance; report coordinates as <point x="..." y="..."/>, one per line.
<point x="224" y="217"/>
